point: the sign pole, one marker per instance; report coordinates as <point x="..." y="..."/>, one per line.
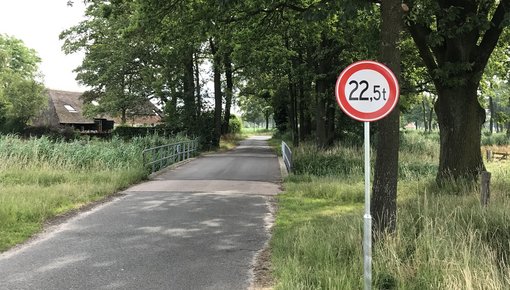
<point x="367" y="91"/>
<point x="367" y="218"/>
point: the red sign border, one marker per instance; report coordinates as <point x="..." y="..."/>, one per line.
<point x="367" y="65"/>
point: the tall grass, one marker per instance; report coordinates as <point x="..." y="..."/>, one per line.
<point x="41" y="178"/>
<point x="443" y="241"/>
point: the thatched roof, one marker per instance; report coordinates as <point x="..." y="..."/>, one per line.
<point x="69" y="110"/>
<point x="69" y="107"/>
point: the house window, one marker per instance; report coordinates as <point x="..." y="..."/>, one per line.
<point x="70" y="109"/>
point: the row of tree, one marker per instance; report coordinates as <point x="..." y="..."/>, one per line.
<point x="290" y="52"/>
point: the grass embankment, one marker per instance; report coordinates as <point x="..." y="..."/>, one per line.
<point x="445" y="240"/>
<point x="40" y="178"/>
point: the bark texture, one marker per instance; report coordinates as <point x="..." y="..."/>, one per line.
<point x="384" y="191"/>
<point x="460" y="136"/>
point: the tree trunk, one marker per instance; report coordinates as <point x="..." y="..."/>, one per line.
<point x="330" y="122"/>
<point x="460" y="119"/>
<point x="217" y="94"/>
<point x="424" y="111"/>
<point x="123" y="117"/>
<point x="228" y="92"/>
<point x="431" y="114"/>
<point x="293" y="113"/>
<point x="492" y="112"/>
<point x="189" y="87"/>
<point x="320" y="116"/>
<point x="197" y="86"/>
<point x="304" y="114"/>
<point x="384" y="191"/>
<point x="267" y="120"/>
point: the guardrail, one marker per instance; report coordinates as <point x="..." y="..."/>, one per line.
<point x="159" y="157"/>
<point x="287" y="156"/>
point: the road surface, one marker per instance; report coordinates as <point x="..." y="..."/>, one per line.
<point x="198" y="226"/>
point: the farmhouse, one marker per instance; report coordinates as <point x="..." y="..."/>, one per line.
<point x="66" y="109"/>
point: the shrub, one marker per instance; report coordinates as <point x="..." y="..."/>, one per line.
<point x="235" y="125"/>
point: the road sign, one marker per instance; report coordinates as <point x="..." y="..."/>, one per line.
<point x="367" y="91"/>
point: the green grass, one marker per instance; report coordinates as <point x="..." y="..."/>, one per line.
<point x="41" y="179"/>
<point x="445" y="240"/>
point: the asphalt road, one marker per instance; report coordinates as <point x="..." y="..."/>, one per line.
<point x="198" y="226"/>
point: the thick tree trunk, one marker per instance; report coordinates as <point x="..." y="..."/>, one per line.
<point x="217" y="94"/>
<point x="384" y="191"/>
<point x="228" y="92"/>
<point x="460" y="119"/>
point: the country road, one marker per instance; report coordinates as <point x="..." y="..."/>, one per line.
<point x="197" y="226"/>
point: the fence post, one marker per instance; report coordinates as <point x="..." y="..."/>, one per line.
<point x="485" y="188"/>
<point x="489" y="155"/>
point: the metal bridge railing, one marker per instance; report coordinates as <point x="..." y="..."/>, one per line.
<point x="287" y="156"/>
<point x="159" y="157"/>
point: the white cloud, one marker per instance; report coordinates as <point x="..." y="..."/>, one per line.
<point x="39" y="23"/>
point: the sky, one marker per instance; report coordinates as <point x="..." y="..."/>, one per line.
<point x="38" y="23"/>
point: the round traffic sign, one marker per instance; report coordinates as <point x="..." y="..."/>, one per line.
<point x="367" y="91"/>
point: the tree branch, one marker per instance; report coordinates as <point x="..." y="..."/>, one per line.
<point x="491" y="37"/>
<point x="420" y="34"/>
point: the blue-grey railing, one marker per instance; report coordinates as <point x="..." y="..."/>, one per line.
<point x="159" y="157"/>
<point x="287" y="156"/>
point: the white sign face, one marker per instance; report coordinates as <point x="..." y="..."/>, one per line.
<point x="367" y="91"/>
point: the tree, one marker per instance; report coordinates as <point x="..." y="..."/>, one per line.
<point x="256" y="109"/>
<point x="117" y="64"/>
<point x="21" y="91"/>
<point x="455" y="40"/>
<point x="384" y="191"/>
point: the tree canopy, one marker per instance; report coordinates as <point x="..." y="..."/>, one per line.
<point x="291" y="52"/>
<point x="21" y="91"/>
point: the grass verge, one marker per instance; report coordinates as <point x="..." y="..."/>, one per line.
<point x="445" y="240"/>
<point x="41" y="179"/>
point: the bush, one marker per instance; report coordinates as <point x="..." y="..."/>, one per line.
<point x="126" y="132"/>
<point x="235" y="125"/>
<point x="500" y="139"/>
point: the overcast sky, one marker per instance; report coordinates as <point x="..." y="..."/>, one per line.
<point x="38" y="23"/>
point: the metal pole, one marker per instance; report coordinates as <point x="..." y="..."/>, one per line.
<point x="367" y="218"/>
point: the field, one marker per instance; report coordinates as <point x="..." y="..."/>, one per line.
<point x="41" y="178"/>
<point x="445" y="239"/>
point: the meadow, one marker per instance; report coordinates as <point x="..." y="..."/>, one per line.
<point x="444" y="240"/>
<point x="41" y="179"/>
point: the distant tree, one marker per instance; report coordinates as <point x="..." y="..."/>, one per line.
<point x="256" y="109"/>
<point x="21" y="91"/>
